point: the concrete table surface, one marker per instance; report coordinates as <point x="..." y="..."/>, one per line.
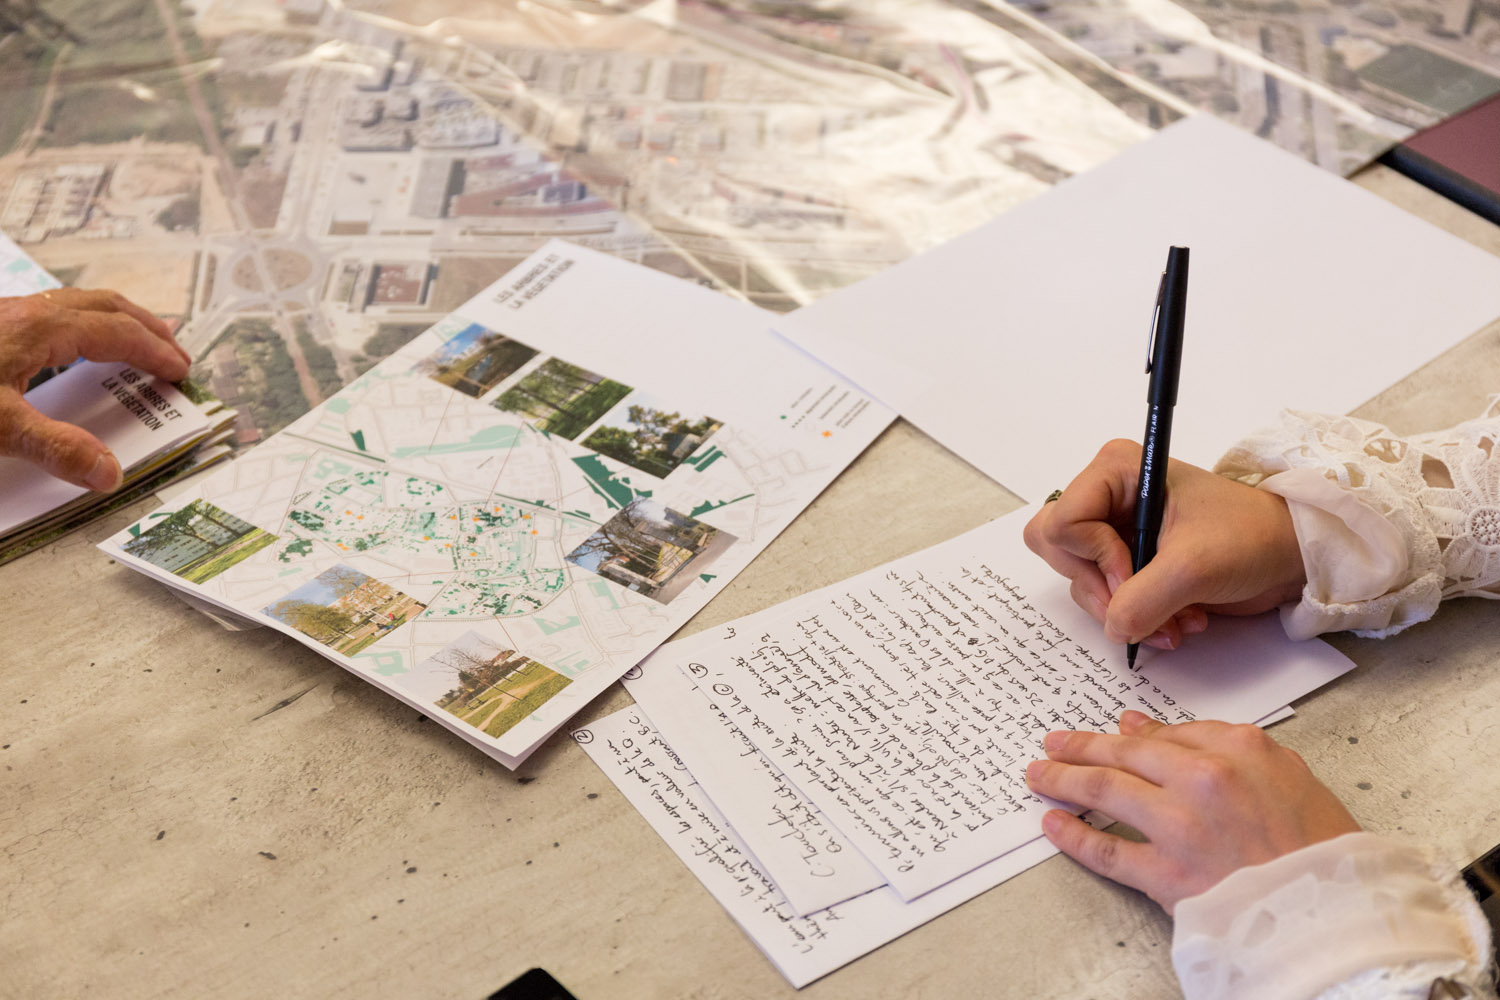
<point x="191" y="812"/>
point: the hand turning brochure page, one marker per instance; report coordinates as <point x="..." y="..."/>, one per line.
<point x="156" y="430"/>
<point x="499" y="520"/>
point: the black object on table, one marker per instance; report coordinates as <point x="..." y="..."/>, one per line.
<point x="1483" y="880"/>
<point x="534" y="984"/>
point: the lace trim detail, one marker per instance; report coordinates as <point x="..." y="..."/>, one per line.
<point x="1357" y="917"/>
<point x="1412" y="981"/>
<point x="1441" y="491"/>
<point x="1374" y="619"/>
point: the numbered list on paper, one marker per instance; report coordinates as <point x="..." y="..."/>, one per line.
<point x="907" y="703"/>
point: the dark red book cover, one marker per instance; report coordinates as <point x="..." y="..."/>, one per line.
<point x="1458" y="157"/>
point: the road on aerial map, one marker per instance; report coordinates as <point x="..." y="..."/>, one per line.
<point x="229" y="184"/>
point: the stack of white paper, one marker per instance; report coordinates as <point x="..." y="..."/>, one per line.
<point x="855" y="757"/>
<point x="878" y="731"/>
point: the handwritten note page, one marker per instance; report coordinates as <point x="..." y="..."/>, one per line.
<point x="811" y="862"/>
<point x="906" y="702"/>
<point x="653" y="778"/>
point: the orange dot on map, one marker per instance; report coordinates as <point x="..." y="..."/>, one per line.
<point x="533" y="531"/>
<point x="828" y="434"/>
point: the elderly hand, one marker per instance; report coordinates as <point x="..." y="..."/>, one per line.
<point x="56" y="328"/>
<point x="1224" y="547"/>
<point x="1210" y="797"/>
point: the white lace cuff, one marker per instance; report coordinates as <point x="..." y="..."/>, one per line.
<point x="1358" y="567"/>
<point x="1388" y="525"/>
<point x="1360" y="916"/>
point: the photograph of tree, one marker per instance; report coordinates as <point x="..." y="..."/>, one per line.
<point x="486" y="685"/>
<point x="198" y="542"/>
<point x="344" y="609"/>
<point x="560" y="398"/>
<point x="652" y="440"/>
<point x="476" y="360"/>
<point x="651" y="549"/>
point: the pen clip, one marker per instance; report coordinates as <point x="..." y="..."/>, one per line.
<point x="1161" y="287"/>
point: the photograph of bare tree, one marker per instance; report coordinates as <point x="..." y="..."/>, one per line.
<point x="561" y="398"/>
<point x="651" y="549"/>
<point x="476" y="360"/>
<point x="198" y="542"/>
<point x="344" y="609"/>
<point x="650" y="439"/>
<point x="488" y="686"/>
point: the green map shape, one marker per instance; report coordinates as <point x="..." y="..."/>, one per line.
<point x="488" y="439"/>
<point x="615" y="491"/>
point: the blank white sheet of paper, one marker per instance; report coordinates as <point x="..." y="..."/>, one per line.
<point x="1021" y="345"/>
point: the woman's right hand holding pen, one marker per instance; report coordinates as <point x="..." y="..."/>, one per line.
<point x="1224" y="547"/>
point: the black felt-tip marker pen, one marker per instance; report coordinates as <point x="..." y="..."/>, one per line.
<point x="1163" y="363"/>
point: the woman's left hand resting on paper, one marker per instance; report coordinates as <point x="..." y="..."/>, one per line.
<point x="1210" y="797"/>
<point x="55" y="328"/>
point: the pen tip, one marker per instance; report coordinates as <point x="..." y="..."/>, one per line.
<point x="1130" y="652"/>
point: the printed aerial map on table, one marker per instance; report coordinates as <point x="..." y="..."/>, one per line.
<point x="301" y="186"/>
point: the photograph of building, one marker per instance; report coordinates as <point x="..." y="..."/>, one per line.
<point x="650" y="548"/>
<point x="198" y="542"/>
<point x="344" y="609"/>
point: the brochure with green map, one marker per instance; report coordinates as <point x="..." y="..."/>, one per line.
<point x="502" y="518"/>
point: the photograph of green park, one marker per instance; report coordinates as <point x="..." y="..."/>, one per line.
<point x="560" y="398"/>
<point x="489" y="687"/>
<point x="650" y="439"/>
<point x="475" y="360"/>
<point x="198" y="542"/>
<point x="344" y="609"/>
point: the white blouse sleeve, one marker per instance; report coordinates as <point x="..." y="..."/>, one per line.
<point x="1388" y="526"/>
<point x="1359" y="917"/>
